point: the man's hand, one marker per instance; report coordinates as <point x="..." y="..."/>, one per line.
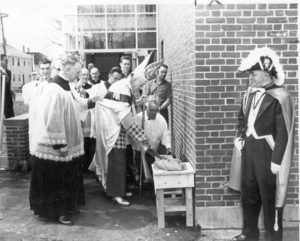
<point x="97" y="98"/>
<point x="153" y="153"/>
<point x="82" y="91"/>
<point x="63" y="151"/>
<point x="143" y="99"/>
<point x="275" y="168"/>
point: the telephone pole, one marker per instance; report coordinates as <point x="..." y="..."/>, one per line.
<point x="3" y="15"/>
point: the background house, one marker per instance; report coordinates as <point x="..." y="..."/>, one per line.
<point x="20" y="64"/>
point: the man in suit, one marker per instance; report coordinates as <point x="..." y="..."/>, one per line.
<point x="266" y="127"/>
<point x="9" y="93"/>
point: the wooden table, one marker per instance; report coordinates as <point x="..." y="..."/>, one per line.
<point x="165" y="180"/>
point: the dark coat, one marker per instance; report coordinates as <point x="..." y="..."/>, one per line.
<point x="269" y="121"/>
<point x="8" y="103"/>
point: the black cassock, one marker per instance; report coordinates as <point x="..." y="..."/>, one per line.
<point x="8" y="101"/>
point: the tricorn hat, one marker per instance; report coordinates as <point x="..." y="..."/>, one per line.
<point x="264" y="59"/>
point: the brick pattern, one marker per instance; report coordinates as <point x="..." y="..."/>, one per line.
<point x="226" y="35"/>
<point x="17" y="145"/>
<point x="179" y="56"/>
<point x="206" y="104"/>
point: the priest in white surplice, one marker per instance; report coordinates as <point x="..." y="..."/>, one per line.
<point x="56" y="187"/>
<point x="33" y="90"/>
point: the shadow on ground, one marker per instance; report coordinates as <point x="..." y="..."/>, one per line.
<point x="100" y="218"/>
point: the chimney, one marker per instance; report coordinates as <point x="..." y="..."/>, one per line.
<point x="23" y="48"/>
<point x="27" y="50"/>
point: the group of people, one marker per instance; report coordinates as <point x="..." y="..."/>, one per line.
<point x="79" y="122"/>
<point x="75" y="116"/>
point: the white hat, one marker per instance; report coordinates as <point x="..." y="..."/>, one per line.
<point x="264" y="59"/>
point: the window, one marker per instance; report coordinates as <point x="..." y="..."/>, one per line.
<point x="146" y="8"/>
<point x="23" y="78"/>
<point x="19" y="77"/>
<point x="121" y="40"/>
<point x="91" y="9"/>
<point x="124" y="22"/>
<point x="146" y="26"/>
<point x="146" y="21"/>
<point x="24" y="62"/>
<point x="18" y="62"/>
<point x="120" y="8"/>
<point x="70" y="42"/>
<point x="12" y="61"/>
<point x="147" y="40"/>
<point x="97" y="41"/>
<point x="111" y="26"/>
<point x="14" y="79"/>
<point x="91" y="23"/>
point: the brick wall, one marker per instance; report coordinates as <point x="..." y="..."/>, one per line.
<point x="227" y="34"/>
<point x="17" y="142"/>
<point x="207" y="101"/>
<point x="177" y="31"/>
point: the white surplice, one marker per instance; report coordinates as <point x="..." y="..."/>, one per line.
<point x="57" y="122"/>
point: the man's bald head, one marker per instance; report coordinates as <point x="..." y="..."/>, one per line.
<point x="152" y="107"/>
<point x="84" y="71"/>
<point x="85" y="75"/>
<point x="90" y="66"/>
<point x="95" y="73"/>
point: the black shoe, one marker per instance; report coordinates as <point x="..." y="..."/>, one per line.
<point x="65" y="221"/>
<point x="121" y="201"/>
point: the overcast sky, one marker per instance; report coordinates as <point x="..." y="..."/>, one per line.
<point x="28" y="23"/>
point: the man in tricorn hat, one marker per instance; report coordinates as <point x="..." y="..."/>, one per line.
<point x="266" y="126"/>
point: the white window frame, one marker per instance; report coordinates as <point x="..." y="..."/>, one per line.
<point x="136" y="31"/>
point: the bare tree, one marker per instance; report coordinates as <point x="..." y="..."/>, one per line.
<point x="55" y="35"/>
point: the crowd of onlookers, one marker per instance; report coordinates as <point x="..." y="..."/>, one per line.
<point x="80" y="123"/>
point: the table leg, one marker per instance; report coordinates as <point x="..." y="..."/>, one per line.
<point x="160" y="203"/>
<point x="189" y="206"/>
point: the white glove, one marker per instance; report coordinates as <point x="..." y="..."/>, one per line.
<point x="239" y="143"/>
<point x="275" y="168"/>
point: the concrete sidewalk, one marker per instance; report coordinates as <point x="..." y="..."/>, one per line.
<point x="100" y="219"/>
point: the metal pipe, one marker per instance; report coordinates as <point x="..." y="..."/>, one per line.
<point x="2" y="102"/>
<point x="172" y="117"/>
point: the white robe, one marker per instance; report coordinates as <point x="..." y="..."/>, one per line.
<point x="57" y="122"/>
<point x="31" y="93"/>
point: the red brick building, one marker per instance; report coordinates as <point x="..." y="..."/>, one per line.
<point x="203" y="46"/>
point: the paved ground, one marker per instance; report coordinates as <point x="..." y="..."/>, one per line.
<point x="100" y="218"/>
